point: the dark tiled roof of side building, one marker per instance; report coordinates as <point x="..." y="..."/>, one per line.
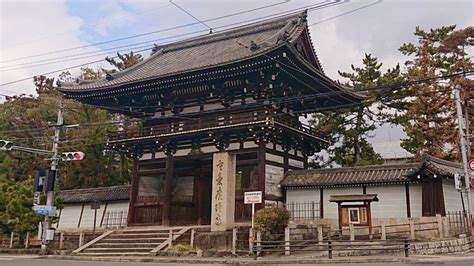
<point x="102" y="194"/>
<point x="390" y="173"/>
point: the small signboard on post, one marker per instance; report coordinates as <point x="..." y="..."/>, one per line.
<point x="252" y="197"/>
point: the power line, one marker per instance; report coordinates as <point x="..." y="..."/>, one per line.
<point x="345" y="13"/>
<point x="146" y="33"/>
<point x="191" y="15"/>
<point x="312" y="8"/>
<point x="91" y="26"/>
<point x="271" y="101"/>
<point x="273" y="16"/>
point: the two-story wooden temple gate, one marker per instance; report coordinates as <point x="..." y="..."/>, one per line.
<point x="237" y="93"/>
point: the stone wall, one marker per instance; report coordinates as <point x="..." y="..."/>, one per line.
<point x="441" y="246"/>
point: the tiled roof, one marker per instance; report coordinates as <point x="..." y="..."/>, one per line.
<point x="353" y="198"/>
<point x="371" y="174"/>
<point x="349" y="175"/>
<point x="203" y="52"/>
<point x="102" y="194"/>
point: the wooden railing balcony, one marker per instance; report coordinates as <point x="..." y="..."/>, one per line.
<point x="199" y="125"/>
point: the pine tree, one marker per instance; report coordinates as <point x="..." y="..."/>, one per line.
<point x="430" y="115"/>
<point x="349" y="128"/>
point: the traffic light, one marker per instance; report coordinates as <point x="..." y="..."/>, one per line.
<point x="50" y="180"/>
<point x="6" y="145"/>
<point x="40" y="178"/>
<point x="72" y="156"/>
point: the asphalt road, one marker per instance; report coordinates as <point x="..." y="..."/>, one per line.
<point x="22" y="261"/>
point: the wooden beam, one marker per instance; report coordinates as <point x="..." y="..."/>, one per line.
<point x="321" y="203"/>
<point x="80" y="216"/>
<point x="167" y="191"/>
<point x="407" y="199"/>
<point x="133" y="194"/>
<point x="261" y="172"/>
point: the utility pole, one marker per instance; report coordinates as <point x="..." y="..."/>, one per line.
<point x="54" y="164"/>
<point x="463" y="144"/>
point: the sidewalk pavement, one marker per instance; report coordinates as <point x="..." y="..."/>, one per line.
<point x="262" y="260"/>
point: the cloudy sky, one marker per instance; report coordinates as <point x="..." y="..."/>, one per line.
<point x="44" y="36"/>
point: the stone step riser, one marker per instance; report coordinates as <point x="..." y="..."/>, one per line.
<point x="137" y="236"/>
<point x="121" y="245"/>
<point x="114" y="254"/>
<point x="117" y="250"/>
<point x="131" y="241"/>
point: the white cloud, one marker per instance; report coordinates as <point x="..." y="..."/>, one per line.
<point x="29" y="28"/>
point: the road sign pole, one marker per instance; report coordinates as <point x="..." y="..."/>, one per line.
<point x="54" y="165"/>
<point x="463" y="144"/>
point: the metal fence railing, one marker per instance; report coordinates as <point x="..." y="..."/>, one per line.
<point x="330" y="246"/>
<point x="303" y="210"/>
<point x="114" y="219"/>
<point x="459" y="222"/>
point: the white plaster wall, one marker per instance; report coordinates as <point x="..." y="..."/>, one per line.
<point x="293" y="195"/>
<point x="71" y="212"/>
<point x="273" y="158"/>
<point x="330" y="208"/>
<point x="295" y="163"/>
<point x="452" y="198"/>
<point x="415" y="200"/>
<point x="392" y="201"/>
<point x="70" y="216"/>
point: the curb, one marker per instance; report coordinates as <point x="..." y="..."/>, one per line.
<point x="234" y="261"/>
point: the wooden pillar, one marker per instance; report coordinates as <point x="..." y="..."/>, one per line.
<point x="261" y="173"/>
<point x="133" y="194"/>
<point x="166" y="211"/>
<point x="407" y="199"/>
<point x="321" y="203"/>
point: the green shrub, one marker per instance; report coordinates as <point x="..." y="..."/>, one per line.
<point x="180" y="247"/>
<point x="271" y="221"/>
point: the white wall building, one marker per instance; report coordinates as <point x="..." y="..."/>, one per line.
<point x="399" y="191"/>
<point x="77" y="212"/>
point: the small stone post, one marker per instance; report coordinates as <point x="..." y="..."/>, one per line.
<point x="383" y="230"/>
<point x="351" y="231"/>
<point x="440" y="225"/>
<point x="320" y="234"/>
<point x="27" y="240"/>
<point x="412" y="228"/>
<point x="170" y="237"/>
<point x="259" y="240"/>
<point x="191" y="242"/>
<point x="61" y="241"/>
<point x="234" y="240"/>
<point x="12" y="236"/>
<point x="81" y="239"/>
<point x="287" y="241"/>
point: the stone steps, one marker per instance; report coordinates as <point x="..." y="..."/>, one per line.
<point x="115" y="254"/>
<point x="128" y="242"/>
<point x="134" y="240"/>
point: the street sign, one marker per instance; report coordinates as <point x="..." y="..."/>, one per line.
<point x="45" y="210"/>
<point x="470" y="164"/>
<point x="253" y="197"/>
